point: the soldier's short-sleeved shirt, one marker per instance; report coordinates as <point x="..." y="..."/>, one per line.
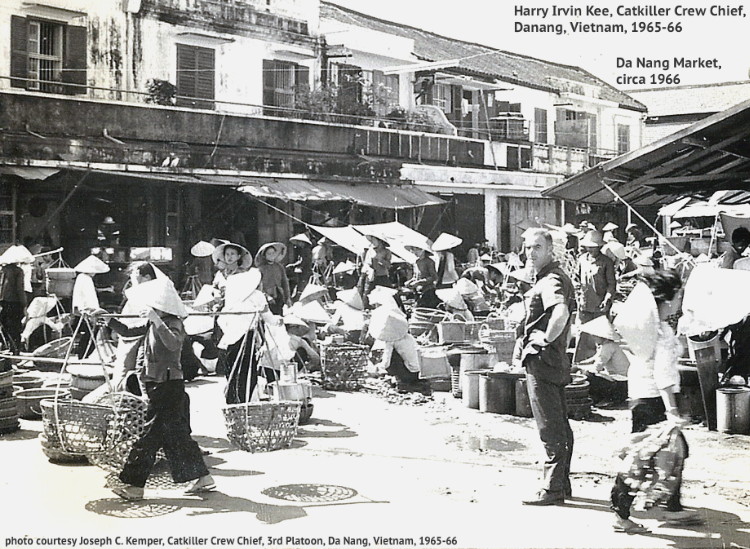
<point x="552" y="287"/>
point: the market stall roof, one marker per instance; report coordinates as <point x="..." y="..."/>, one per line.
<point x="379" y="195"/>
<point x="346" y="237"/>
<point x="710" y="155"/>
<point x="398" y="235"/>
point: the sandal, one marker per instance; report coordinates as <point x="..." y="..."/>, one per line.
<point x="631" y="528"/>
<point x="129" y="492"/>
<point x="201" y="485"/>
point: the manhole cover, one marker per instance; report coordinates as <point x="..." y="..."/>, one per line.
<point x="120" y="508"/>
<point x="309" y="493"/>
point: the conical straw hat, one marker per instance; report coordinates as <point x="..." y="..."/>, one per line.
<point x="92" y="265"/>
<point x="239" y="286"/>
<point x="280" y="248"/>
<point x="445" y="242"/>
<point x="293" y="320"/>
<point x="159" y="294"/>
<point x="387" y="324"/>
<point x="246" y="258"/>
<point x="615" y="249"/>
<point x="302" y="237"/>
<point x="312" y="292"/>
<point x="344" y="267"/>
<point x="601" y="327"/>
<point x="466" y="286"/>
<point x="452" y="298"/>
<point x="351" y="298"/>
<point x="380" y="295"/>
<point x="523" y="275"/>
<point x="610" y="227"/>
<point x="312" y="312"/>
<point x="16" y="254"/>
<point x="202" y="249"/>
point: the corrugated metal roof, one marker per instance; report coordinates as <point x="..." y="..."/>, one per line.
<point x="483" y="60"/>
<point x="681" y="100"/>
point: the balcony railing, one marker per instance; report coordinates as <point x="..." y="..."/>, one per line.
<point x="232" y="12"/>
<point x="496" y="130"/>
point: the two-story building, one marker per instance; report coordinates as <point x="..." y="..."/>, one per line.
<point x="541" y="121"/>
<point x="153" y="114"/>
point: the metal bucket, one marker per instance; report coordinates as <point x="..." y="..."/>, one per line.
<point x="470" y="388"/>
<point x="497" y="393"/>
<point x="733" y="410"/>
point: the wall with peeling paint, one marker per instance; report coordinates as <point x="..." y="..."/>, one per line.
<point x="126" y="49"/>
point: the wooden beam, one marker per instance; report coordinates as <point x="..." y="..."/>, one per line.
<point x="700" y="178"/>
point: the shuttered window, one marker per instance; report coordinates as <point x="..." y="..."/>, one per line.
<point x="540" y="126"/>
<point x="196" y="76"/>
<point x="281" y="81"/>
<point x="623" y="138"/>
<point x="45" y="56"/>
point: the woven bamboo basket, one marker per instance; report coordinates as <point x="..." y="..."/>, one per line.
<point x="127" y="425"/>
<point x="262" y="426"/>
<point x="504" y="342"/>
<point x="80" y="428"/>
<point x="343" y="366"/>
<point x="6" y="379"/>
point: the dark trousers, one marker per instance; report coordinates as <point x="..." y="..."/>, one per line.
<point x="398" y="368"/>
<point x="166" y="427"/>
<point x="241" y="369"/>
<point x="276" y="305"/>
<point x="551" y="414"/>
<point x="645" y="412"/>
<point x="11" y="316"/>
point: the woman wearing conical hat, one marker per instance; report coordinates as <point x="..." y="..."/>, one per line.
<point x="160" y="371"/>
<point x="425" y="277"/>
<point x="447" y="274"/>
<point x="12" y="294"/>
<point x="230" y="259"/>
<point x="85" y="299"/>
<point x="274" y="281"/>
<point x="302" y="264"/>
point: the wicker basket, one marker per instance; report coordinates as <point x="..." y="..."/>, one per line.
<point x="30" y="400"/>
<point x="127" y="425"/>
<point x="504" y="342"/>
<point x="262" y="426"/>
<point x="343" y="366"/>
<point x="80" y="428"/>
<point x="6" y="379"/>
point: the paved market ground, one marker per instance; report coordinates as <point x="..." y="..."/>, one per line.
<point x="365" y="468"/>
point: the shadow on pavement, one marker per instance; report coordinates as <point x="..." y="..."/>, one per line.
<point x="720" y="528"/>
<point x="319" y="392"/>
<point x="21" y="434"/>
<point x="317" y="495"/>
<point x="331" y="429"/>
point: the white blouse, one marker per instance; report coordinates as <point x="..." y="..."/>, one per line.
<point x="84" y="293"/>
<point x="646" y="378"/>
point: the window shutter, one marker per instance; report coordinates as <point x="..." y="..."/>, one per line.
<point x="457" y="96"/>
<point x="74" y="60"/>
<point x="269" y="67"/>
<point x="205" y="80"/>
<point x="185" y="75"/>
<point x="195" y="76"/>
<point x="525" y="158"/>
<point x="302" y="77"/>
<point x="19" y="60"/>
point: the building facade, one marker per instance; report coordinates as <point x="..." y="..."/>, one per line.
<point x="132" y="125"/>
